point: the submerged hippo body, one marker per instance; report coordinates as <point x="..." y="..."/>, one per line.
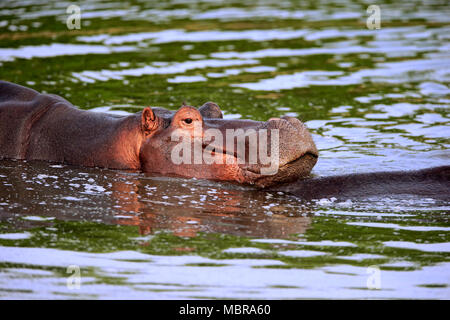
<point x="425" y="183"/>
<point x="36" y="126"/>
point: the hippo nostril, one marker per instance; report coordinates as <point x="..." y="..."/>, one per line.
<point x="281" y="124"/>
<point x="296" y="123"/>
<point x="188" y="120"/>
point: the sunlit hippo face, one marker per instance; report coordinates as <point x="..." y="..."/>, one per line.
<point x="199" y="143"/>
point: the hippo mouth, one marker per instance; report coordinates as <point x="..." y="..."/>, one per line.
<point x="287" y="172"/>
<point x="299" y="167"/>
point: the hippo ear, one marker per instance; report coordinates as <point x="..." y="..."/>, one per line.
<point x="148" y="120"/>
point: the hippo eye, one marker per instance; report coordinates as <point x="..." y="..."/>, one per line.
<point x="188" y="120"/>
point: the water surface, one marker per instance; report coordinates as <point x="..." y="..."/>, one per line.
<point x="373" y="99"/>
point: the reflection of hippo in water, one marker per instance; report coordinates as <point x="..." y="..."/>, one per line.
<point x="46" y="127"/>
<point x="37" y="126"/>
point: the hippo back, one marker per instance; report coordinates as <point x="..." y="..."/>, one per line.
<point x="20" y="107"/>
<point x="13" y="92"/>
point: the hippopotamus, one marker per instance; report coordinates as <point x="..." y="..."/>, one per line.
<point x="35" y="126"/>
<point x="425" y="183"/>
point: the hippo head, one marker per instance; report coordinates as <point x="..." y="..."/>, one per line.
<point x="199" y="143"/>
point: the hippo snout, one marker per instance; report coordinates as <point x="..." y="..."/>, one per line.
<point x="295" y="140"/>
<point x="288" y="142"/>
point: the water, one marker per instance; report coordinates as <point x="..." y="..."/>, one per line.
<point x="373" y="99"/>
